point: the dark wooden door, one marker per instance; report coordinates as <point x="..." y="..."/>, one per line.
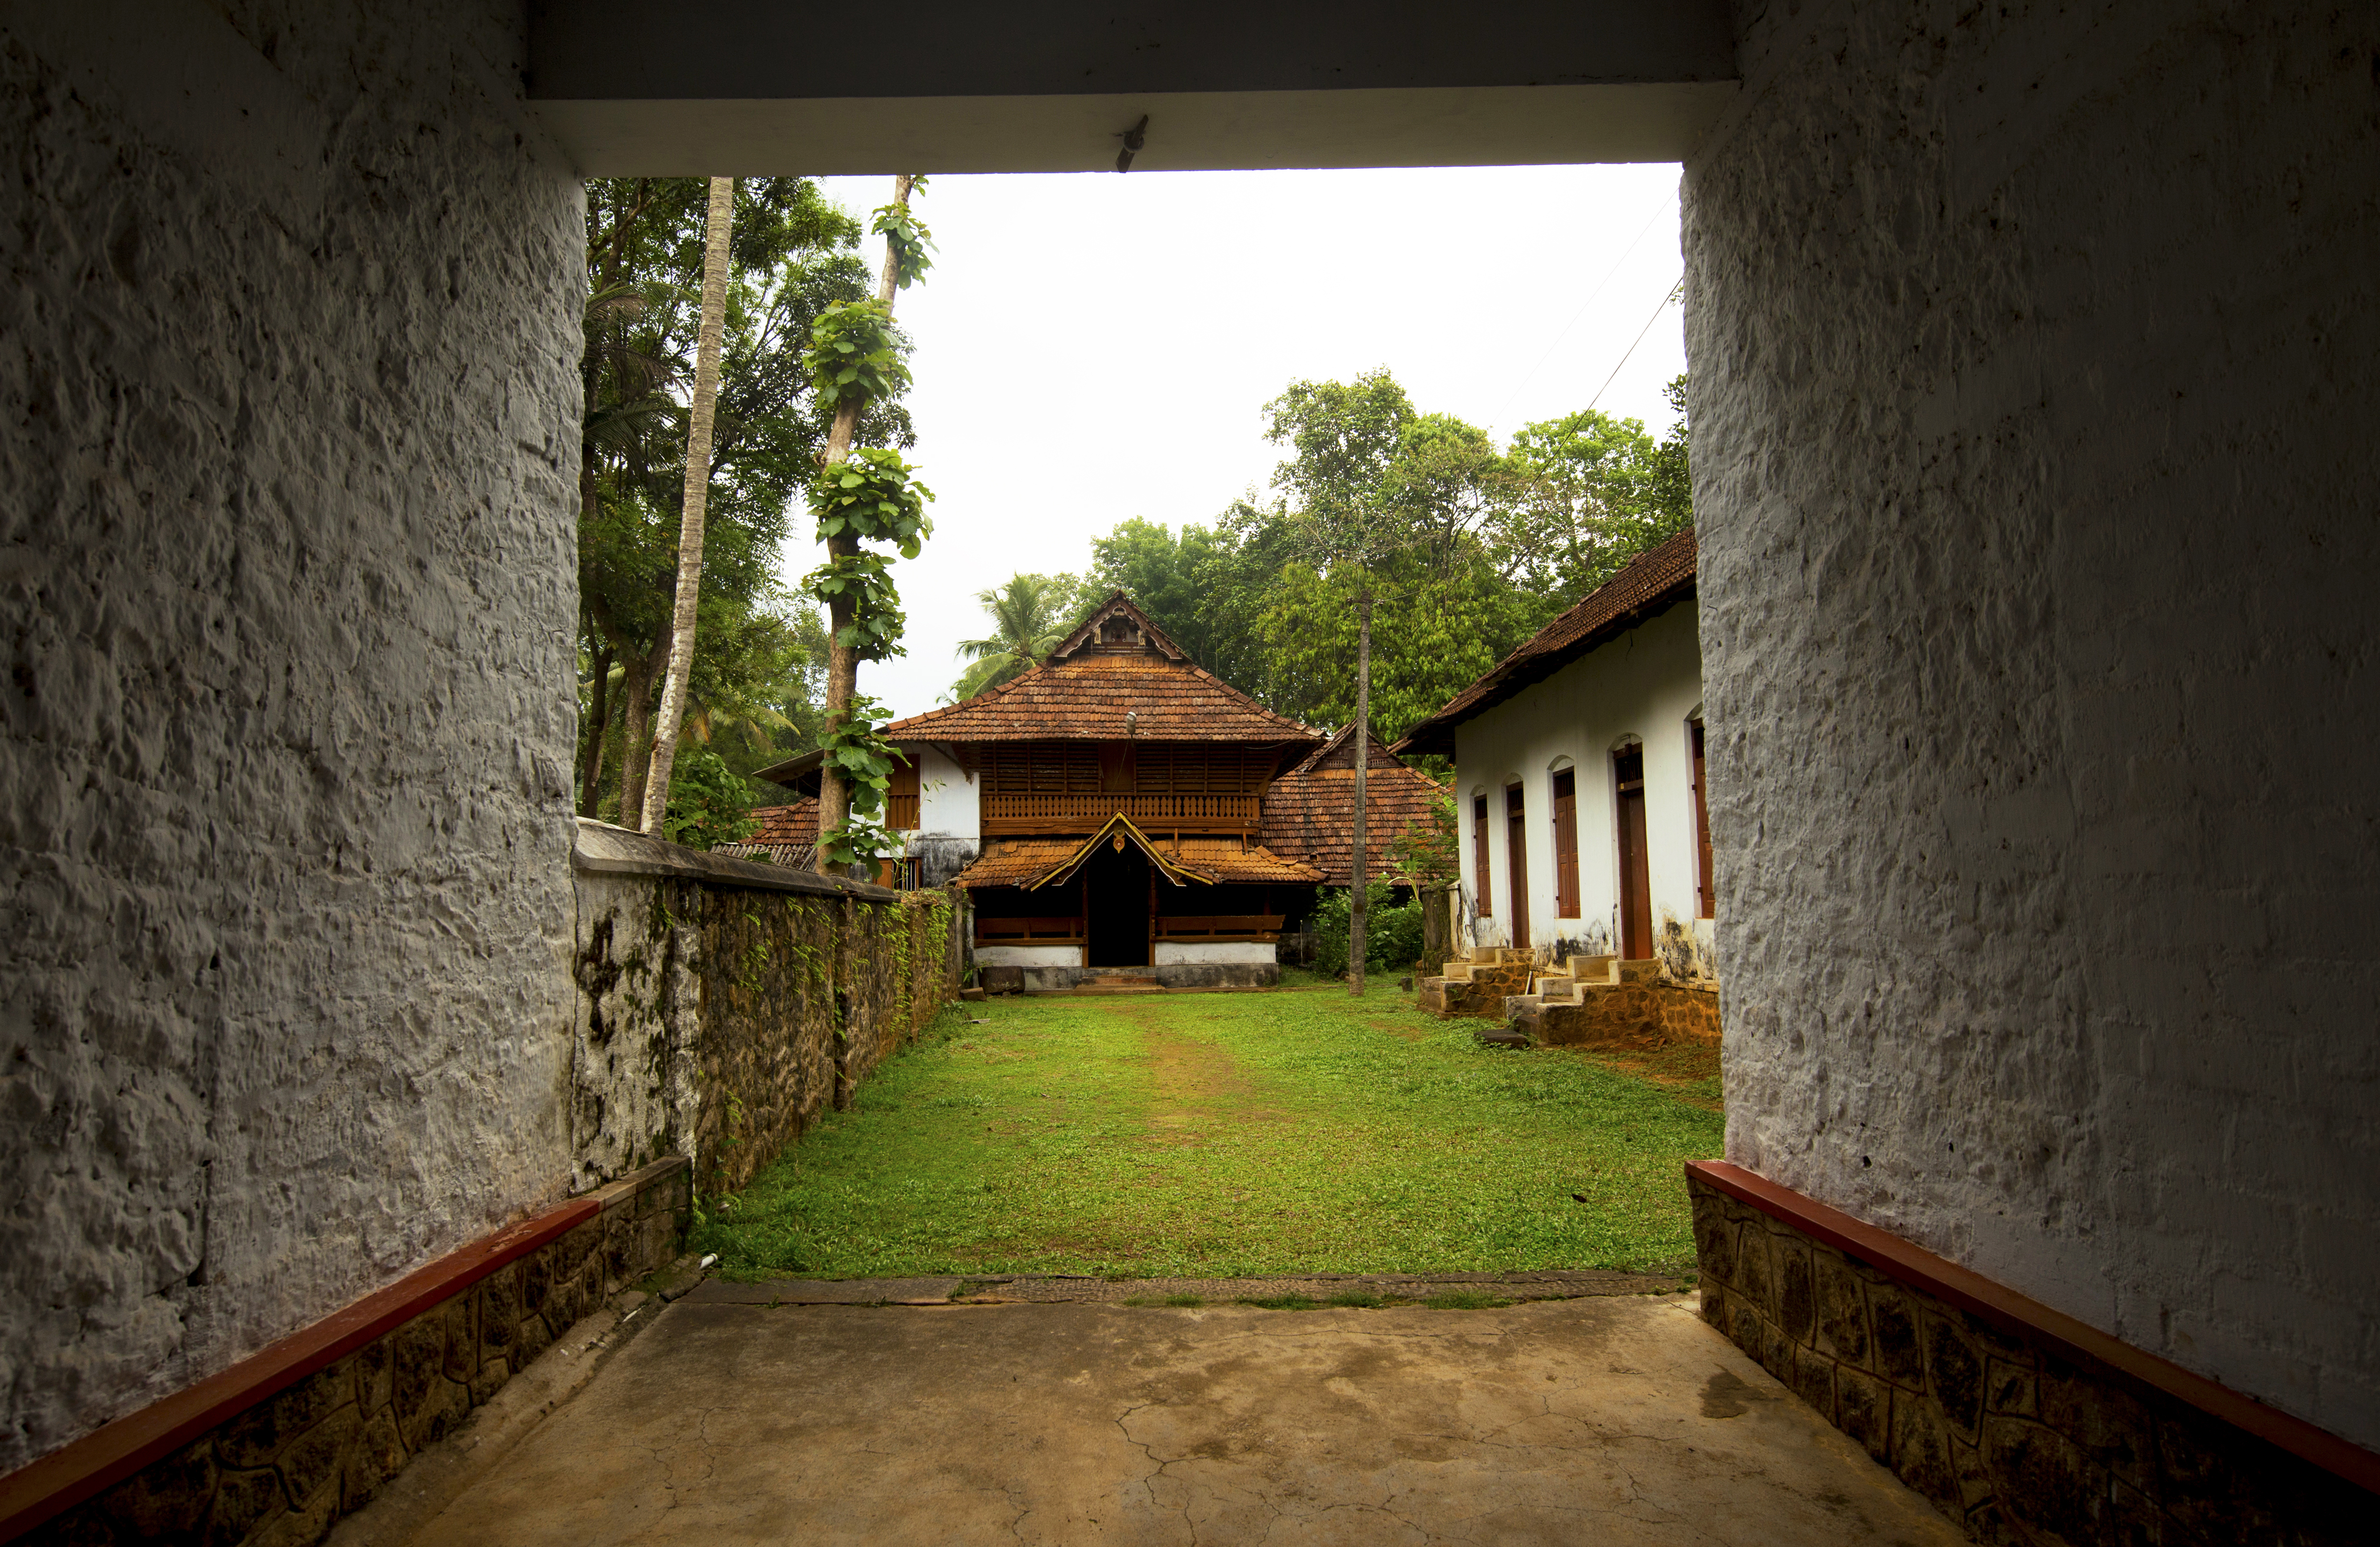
<point x="1482" y="878"/>
<point x="1704" y="884"/>
<point x="1566" y="844"/>
<point x="1516" y="859"/>
<point x="1116" y="904"/>
<point x="1635" y="877"/>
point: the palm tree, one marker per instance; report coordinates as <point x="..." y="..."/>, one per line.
<point x="1030" y="615"/>
<point x="697" y="487"/>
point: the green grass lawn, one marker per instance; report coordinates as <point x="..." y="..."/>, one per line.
<point x="1232" y="1136"/>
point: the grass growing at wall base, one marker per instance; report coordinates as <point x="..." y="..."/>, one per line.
<point x="1231" y="1136"/>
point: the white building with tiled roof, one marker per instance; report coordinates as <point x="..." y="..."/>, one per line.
<point x="1579" y="779"/>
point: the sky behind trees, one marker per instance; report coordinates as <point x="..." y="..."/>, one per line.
<point x="1176" y="305"/>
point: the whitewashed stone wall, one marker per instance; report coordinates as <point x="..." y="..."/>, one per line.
<point x="287" y="362"/>
<point x="2034" y="391"/>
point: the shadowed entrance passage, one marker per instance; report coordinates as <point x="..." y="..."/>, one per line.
<point x="1118" y="882"/>
<point x="1615" y="1421"/>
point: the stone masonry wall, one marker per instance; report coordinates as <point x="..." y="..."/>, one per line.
<point x="717" y="1021"/>
<point x="288" y="342"/>
<point x="281" y="1471"/>
<point x="2036" y="353"/>
<point x="2014" y="1443"/>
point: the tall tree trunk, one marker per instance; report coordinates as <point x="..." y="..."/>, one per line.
<point x="841" y="660"/>
<point x="636" y="740"/>
<point x="599" y="718"/>
<point x="1362" y="740"/>
<point x="698" y="491"/>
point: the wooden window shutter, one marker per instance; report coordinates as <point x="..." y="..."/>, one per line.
<point x="1566" y="844"/>
<point x="901" y="795"/>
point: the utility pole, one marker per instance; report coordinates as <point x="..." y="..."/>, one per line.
<point x="1362" y="738"/>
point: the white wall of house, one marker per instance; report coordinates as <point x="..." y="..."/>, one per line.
<point x="1214" y="952"/>
<point x="947" y="804"/>
<point x="1645" y="686"/>
<point x="1029" y="955"/>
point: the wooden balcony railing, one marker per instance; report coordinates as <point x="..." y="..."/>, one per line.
<point x="1005" y="814"/>
<point x="1029" y="931"/>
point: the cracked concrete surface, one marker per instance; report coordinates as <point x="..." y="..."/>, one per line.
<point x="1608" y="1420"/>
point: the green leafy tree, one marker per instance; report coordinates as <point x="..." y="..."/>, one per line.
<point x="1608" y="492"/>
<point x="708" y="802"/>
<point x="855" y="361"/>
<point x="1174" y="580"/>
<point x="792" y="255"/>
<point x="1375" y="491"/>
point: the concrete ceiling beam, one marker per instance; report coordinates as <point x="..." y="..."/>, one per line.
<point x="737" y="86"/>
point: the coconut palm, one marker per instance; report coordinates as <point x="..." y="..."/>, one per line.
<point x="1030" y="615"/>
<point x="697" y="486"/>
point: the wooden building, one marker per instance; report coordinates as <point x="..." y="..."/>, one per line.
<point x="1103" y="812"/>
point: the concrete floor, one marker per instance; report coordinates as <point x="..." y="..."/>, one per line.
<point x="1608" y="1420"/>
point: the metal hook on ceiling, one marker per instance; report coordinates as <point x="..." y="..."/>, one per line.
<point x="1134" y="138"/>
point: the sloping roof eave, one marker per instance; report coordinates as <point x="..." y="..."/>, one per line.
<point x="1536" y="659"/>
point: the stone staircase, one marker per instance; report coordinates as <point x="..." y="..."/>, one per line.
<point x="1595" y="1001"/>
<point x="1478" y="985"/>
<point x="1119" y="983"/>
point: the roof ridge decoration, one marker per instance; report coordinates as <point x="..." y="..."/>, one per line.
<point x="1117" y="830"/>
<point x="1118" y="604"/>
<point x="1339" y="739"/>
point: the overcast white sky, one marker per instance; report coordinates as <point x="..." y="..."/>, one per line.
<point x="1183" y="301"/>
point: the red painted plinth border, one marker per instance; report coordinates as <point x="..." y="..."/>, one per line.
<point x="99" y="1460"/>
<point x="2030" y="1320"/>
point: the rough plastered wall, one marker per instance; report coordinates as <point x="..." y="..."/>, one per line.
<point x="287" y="350"/>
<point x="2034" y="395"/>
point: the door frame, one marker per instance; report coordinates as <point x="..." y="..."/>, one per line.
<point x="1517" y="859"/>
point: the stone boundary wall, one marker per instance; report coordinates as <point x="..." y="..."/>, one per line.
<point x="2016" y="1440"/>
<point x="315" y="1443"/>
<point x="723" y="1004"/>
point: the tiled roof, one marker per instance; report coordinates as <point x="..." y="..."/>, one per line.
<point x="1020" y="861"/>
<point x="1086" y="698"/>
<point x="786" y="836"/>
<point x="797" y="824"/>
<point x="794" y="857"/>
<point x="1309" y="811"/>
<point x="1653" y="581"/>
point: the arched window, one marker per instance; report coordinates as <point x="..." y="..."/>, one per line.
<point x="1565" y="842"/>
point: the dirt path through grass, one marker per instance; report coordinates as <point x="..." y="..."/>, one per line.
<point x="1228" y="1135"/>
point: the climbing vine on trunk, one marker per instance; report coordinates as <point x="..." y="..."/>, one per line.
<point x="864" y="495"/>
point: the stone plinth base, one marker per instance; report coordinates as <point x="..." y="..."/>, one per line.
<point x="2019" y="1433"/>
<point x="1172" y="975"/>
<point x="279" y="1446"/>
